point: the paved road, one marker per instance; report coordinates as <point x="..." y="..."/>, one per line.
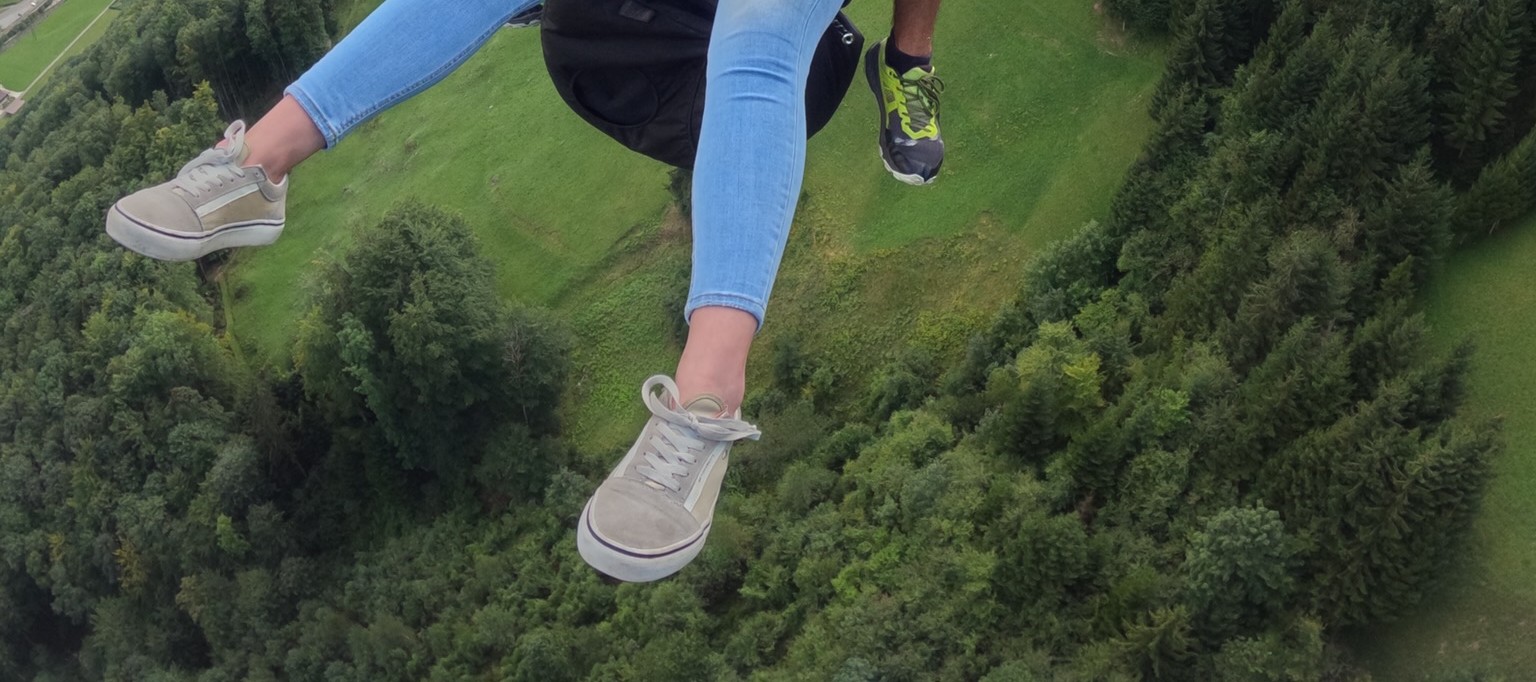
<point x="14" y="13"/>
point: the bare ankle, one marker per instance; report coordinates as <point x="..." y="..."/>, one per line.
<point x="282" y="139"/>
<point x="715" y="358"/>
<point x="729" y="392"/>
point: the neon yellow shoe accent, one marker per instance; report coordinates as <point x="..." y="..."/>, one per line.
<point x="914" y="96"/>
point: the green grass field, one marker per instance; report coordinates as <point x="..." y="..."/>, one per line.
<point x="1484" y="620"/>
<point x="1043" y="118"/>
<point x="89" y="37"/>
<point x="29" y="55"/>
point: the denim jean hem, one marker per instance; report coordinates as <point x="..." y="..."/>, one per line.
<point x="307" y="103"/>
<point x="746" y="304"/>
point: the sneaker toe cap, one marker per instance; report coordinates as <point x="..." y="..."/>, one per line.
<point x="921" y="159"/>
<point x="634" y="517"/>
<point x="161" y="209"/>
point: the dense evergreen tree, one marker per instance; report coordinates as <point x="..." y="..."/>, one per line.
<point x="1501" y="193"/>
<point x="1479" y="51"/>
<point x="246" y="49"/>
<point x="407" y="337"/>
<point x="1212" y="38"/>
<point x="1239" y="573"/>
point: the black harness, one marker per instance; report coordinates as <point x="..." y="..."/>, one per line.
<point x="635" y="69"/>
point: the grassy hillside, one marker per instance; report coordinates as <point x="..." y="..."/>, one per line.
<point x="1043" y="118"/>
<point x="89" y="36"/>
<point x="1485" y="620"/>
<point x="26" y="58"/>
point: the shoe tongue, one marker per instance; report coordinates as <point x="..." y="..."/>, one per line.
<point x="228" y="153"/>
<point x="706" y="405"/>
<point x="917" y="72"/>
<point x="239" y="153"/>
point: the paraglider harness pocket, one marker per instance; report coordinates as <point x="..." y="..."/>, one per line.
<point x="635" y="69"/>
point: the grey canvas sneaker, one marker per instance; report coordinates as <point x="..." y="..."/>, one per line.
<point x="652" y="514"/>
<point x="213" y="203"/>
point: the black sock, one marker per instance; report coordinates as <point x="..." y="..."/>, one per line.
<point x="901" y="61"/>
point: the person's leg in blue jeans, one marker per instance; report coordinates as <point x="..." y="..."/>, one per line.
<point x="402" y="48"/>
<point x="651" y="516"/>
<point x="746" y="180"/>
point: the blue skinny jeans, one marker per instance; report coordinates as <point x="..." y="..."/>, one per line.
<point x="751" y="156"/>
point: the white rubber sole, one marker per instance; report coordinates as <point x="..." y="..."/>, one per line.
<point x="169" y="245"/>
<point x="628" y="567"/>
<point x="911" y="179"/>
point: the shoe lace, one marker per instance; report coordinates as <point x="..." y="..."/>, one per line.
<point x="675" y="445"/>
<point x="214" y="167"/>
<point x="922" y="95"/>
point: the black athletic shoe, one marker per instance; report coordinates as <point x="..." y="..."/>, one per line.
<point x="910" y="143"/>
